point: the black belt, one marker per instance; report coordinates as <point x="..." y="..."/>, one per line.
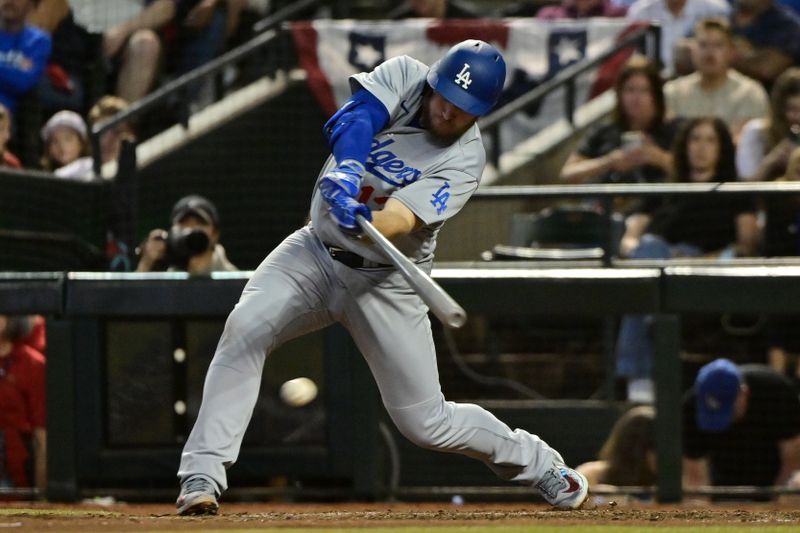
<point x="353" y="260"/>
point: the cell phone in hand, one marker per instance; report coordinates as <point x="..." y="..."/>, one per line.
<point x="632" y="139"/>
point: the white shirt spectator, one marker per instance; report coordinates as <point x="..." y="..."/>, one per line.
<point x="80" y="170"/>
<point x="737" y="101"/>
<point x="99" y="15"/>
<point x="751" y="148"/>
<point x="674" y="28"/>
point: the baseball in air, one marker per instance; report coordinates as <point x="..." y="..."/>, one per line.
<point x="298" y="392"/>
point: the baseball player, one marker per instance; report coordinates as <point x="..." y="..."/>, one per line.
<point x="406" y="154"/>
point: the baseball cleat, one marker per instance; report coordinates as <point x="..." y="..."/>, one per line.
<point x="198" y="497"/>
<point x="564" y="488"/>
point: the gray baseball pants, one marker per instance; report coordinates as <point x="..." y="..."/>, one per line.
<point x="299" y="288"/>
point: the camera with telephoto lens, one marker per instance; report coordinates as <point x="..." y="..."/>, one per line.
<point x="183" y="244"/>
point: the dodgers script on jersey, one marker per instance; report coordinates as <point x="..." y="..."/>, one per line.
<point x="408" y="164"/>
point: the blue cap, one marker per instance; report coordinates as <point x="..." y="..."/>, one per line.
<point x="717" y="387"/>
<point x="470" y="76"/>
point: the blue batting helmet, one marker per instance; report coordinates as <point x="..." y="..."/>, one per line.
<point x="470" y="76"/>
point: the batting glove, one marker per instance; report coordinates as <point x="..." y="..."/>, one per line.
<point x="347" y="175"/>
<point x="344" y="208"/>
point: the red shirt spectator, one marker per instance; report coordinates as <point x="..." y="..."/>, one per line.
<point x="22" y="409"/>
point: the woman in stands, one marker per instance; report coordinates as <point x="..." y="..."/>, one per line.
<point x="706" y="225"/>
<point x="765" y="144"/>
<point x="634" y="146"/>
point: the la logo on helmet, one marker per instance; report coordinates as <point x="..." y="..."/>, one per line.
<point x="463" y="77"/>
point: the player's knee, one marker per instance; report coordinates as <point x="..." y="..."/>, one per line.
<point x="426" y="425"/>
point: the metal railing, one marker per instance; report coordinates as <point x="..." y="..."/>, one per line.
<point x="266" y="33"/>
<point x="605" y="194"/>
<point x="647" y="39"/>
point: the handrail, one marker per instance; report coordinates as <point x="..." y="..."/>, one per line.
<point x="181" y="83"/>
<point x="500" y="192"/>
<point x="491" y="122"/>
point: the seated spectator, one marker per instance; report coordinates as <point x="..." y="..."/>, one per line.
<point x="67" y="152"/>
<point x="765" y="144"/>
<point x="62" y="86"/>
<point x="715" y="89"/>
<point x="8" y="159"/>
<point x="766" y="39"/>
<point x="23" y="52"/>
<point x="639" y="119"/>
<point x="191" y="244"/>
<point x="130" y="41"/>
<point x="22" y="408"/>
<point x="741" y="427"/>
<point x="111" y="140"/>
<point x="628" y="457"/>
<point x="581" y="9"/>
<point x="677" y="19"/>
<point x="711" y="226"/>
<point x="437" y="9"/>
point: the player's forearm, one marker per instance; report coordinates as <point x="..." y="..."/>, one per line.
<point x="392" y="224"/>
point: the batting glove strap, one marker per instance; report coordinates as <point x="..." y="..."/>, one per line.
<point x="344" y="208"/>
<point x="348" y="175"/>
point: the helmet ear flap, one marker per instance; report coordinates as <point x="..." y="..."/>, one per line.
<point x="470" y="76"/>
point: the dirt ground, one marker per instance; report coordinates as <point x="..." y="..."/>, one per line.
<point x="135" y="517"/>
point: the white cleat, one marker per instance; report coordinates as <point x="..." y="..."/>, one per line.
<point x="564" y="488"/>
<point x="198" y="497"/>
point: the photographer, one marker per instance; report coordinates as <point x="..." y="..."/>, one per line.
<point x="190" y="245"/>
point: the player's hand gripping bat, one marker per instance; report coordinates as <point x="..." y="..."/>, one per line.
<point x="442" y="304"/>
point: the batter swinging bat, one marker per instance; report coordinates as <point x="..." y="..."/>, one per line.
<point x="442" y="304"/>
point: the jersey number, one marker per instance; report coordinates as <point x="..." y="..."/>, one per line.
<point x="463" y="77"/>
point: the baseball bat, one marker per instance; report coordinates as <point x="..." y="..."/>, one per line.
<point x="442" y="304"/>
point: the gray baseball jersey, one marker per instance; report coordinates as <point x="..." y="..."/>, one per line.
<point x="405" y="163"/>
<point x="300" y="288"/>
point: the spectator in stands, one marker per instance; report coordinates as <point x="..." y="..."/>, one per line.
<point x="130" y="42"/>
<point x="191" y="244"/>
<point x="639" y="120"/>
<point x="765" y="144"/>
<point x="62" y="85"/>
<point x="67" y="152"/>
<point x="741" y="427"/>
<point x="711" y="226"/>
<point x="8" y="159"/>
<point x="22" y="407"/>
<point x="677" y="19"/>
<point x="24" y="51"/>
<point x="438" y="9"/>
<point x="766" y="39"/>
<point x="628" y="457"/>
<point x="581" y="9"/>
<point x="714" y="88"/>
<point x="111" y="140"/>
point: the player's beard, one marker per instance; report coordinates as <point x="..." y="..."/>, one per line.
<point x="446" y="131"/>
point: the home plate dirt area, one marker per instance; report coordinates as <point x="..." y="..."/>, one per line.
<point x="445" y="517"/>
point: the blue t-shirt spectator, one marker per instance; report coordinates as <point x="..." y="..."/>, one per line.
<point x="23" y="57"/>
<point x="778" y="27"/>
